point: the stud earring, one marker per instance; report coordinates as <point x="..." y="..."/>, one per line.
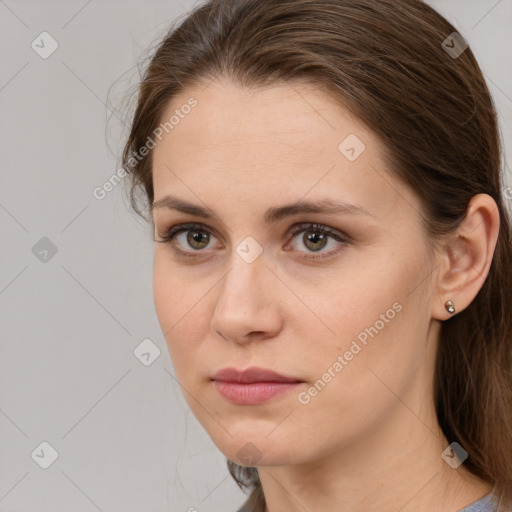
<point x="450" y="306"/>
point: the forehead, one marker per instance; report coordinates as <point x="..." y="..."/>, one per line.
<point x="262" y="142"/>
<point x="285" y="114"/>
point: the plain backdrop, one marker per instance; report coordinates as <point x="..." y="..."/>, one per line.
<point x="76" y="272"/>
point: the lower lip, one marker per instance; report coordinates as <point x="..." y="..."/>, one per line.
<point x="254" y="392"/>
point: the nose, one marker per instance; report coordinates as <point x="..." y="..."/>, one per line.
<point x="248" y="304"/>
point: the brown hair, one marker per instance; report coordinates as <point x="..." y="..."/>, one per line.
<point x="384" y="60"/>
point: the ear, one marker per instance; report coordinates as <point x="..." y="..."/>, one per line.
<point x="466" y="257"/>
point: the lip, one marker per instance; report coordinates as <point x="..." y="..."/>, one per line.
<point x="250" y="375"/>
<point x="252" y="386"/>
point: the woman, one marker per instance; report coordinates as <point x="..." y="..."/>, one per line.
<point x="332" y="271"/>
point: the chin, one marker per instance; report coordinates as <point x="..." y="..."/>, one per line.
<point x="253" y="448"/>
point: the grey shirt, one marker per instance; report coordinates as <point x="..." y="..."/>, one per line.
<point x="484" y="504"/>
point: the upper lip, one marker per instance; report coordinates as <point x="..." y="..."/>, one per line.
<point x="253" y="374"/>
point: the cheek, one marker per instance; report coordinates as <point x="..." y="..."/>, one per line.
<point x="381" y="342"/>
<point x="347" y="398"/>
<point x="177" y="292"/>
<point x="164" y="295"/>
<point x="375" y="324"/>
<point x="174" y="306"/>
<point x="364" y="299"/>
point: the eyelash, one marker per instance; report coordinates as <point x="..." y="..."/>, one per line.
<point x="305" y="226"/>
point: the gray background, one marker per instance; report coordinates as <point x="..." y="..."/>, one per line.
<point x="69" y="325"/>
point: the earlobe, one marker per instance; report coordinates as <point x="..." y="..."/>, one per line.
<point x="467" y="256"/>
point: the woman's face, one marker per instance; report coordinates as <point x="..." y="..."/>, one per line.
<point x="243" y="289"/>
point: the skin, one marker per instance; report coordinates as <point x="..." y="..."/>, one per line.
<point x="369" y="440"/>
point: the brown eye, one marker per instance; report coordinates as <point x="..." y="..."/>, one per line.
<point x="198" y="238"/>
<point x="315" y="241"/>
<point x="316" y="237"/>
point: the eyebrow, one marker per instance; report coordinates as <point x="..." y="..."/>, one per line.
<point x="272" y="215"/>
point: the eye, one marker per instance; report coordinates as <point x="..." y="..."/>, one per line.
<point x="315" y="239"/>
<point x="197" y="237"/>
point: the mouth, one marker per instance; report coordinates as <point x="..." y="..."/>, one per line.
<point x="252" y="386"/>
